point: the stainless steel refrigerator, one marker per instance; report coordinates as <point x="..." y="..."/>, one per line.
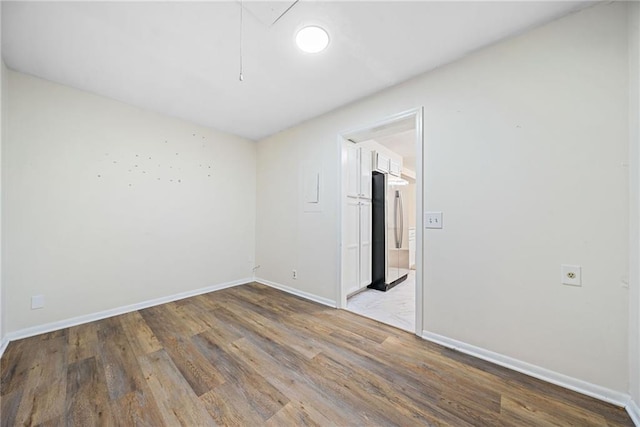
<point x="389" y="251"/>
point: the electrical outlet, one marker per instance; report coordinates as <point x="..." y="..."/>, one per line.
<point x="571" y="275"/>
<point x="294" y="274"/>
<point x="37" y="301"/>
<point x="624" y="282"/>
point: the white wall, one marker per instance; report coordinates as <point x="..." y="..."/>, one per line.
<point x="90" y="230"/>
<point x="525" y="146"/>
<point x="3" y="110"/>
<point x="287" y="237"/>
<point x="634" y="212"/>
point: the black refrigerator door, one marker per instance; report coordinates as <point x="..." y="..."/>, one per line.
<point x="378" y="246"/>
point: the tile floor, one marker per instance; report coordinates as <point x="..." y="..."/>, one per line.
<point x="396" y="307"/>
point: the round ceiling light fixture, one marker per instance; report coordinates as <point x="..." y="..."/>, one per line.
<point x="312" y="39"/>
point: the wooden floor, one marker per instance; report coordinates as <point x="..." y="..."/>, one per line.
<point x="251" y="355"/>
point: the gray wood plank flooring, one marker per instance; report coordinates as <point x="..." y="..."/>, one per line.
<point x="251" y="355"/>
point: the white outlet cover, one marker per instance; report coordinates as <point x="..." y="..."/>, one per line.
<point x="571" y="275"/>
<point x="37" y="301"/>
<point x="433" y="220"/>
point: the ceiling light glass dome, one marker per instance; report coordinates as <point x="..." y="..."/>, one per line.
<point x="312" y="39"/>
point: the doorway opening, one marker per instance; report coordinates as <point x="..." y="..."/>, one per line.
<point x="381" y="227"/>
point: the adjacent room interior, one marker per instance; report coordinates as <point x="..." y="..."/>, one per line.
<point x="379" y="221"/>
<point x="320" y="213"/>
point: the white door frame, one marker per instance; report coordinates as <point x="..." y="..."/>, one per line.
<point x="417" y="114"/>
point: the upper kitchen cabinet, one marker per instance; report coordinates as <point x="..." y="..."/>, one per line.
<point x="395" y="168"/>
<point x="358" y="172"/>
<point x="382" y="162"/>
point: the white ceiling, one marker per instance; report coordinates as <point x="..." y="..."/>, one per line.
<point x="182" y="58"/>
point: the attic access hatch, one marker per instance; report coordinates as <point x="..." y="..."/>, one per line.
<point x="267" y="12"/>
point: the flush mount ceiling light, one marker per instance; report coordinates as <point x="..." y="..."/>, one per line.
<point x="312" y="39"/>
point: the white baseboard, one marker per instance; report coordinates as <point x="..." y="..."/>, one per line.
<point x="296" y="292"/>
<point x="580" y="386"/>
<point x="634" y="412"/>
<point x="4" y="342"/>
<point x="54" y="326"/>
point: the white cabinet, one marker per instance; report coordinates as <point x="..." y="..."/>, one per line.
<point x="395" y="168"/>
<point x="386" y="164"/>
<point x="356" y="269"/>
<point x="365" y="243"/>
<point x="351" y="265"/>
<point x="382" y="162"/>
<point x="357" y="245"/>
<point x="358" y="172"/>
<point x="365" y="173"/>
<point x="352" y="171"/>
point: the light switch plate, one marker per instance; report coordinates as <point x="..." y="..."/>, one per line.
<point x="37" y="301"/>
<point x="571" y="275"/>
<point x="433" y="220"/>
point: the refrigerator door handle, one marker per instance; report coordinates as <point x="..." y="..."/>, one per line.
<point x="401" y="219"/>
<point x="396" y="208"/>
